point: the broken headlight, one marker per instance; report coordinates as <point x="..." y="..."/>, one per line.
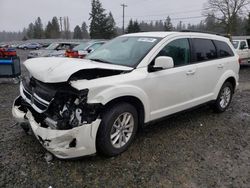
<point x="69" y="110"/>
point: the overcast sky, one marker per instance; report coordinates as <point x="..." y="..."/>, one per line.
<point x="17" y="14"/>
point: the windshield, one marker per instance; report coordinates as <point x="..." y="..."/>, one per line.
<point x="235" y="44"/>
<point x="81" y="46"/>
<point x="126" y="51"/>
<point x="53" y="46"/>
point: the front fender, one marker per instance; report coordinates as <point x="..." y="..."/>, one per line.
<point x="115" y="92"/>
<point x="223" y="78"/>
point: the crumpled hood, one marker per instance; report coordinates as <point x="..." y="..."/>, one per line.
<point x="55" y="69"/>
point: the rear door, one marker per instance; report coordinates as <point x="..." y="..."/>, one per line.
<point x="210" y="56"/>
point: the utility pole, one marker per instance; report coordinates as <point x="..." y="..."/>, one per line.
<point x="123" y="16"/>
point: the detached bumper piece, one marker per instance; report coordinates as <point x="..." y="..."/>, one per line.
<point x="64" y="144"/>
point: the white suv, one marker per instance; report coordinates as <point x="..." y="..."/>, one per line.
<point x="76" y="107"/>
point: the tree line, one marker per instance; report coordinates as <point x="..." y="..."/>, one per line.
<point x="220" y="17"/>
<point x="209" y="24"/>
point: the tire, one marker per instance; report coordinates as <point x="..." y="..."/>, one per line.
<point x="114" y="136"/>
<point x="224" y="98"/>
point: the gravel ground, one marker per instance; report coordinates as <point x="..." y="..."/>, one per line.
<point x="195" y="149"/>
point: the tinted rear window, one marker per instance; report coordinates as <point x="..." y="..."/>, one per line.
<point x="204" y="50"/>
<point x="223" y="49"/>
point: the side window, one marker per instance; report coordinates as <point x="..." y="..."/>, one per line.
<point x="179" y="50"/>
<point x="243" y="45"/>
<point x="223" y="49"/>
<point x="204" y="50"/>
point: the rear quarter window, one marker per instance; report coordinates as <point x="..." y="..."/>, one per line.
<point x="204" y="50"/>
<point x="223" y="49"/>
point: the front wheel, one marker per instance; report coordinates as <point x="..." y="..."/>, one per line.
<point x="224" y="98"/>
<point x="117" y="130"/>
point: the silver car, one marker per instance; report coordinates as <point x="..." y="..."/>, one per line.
<point x="53" y="50"/>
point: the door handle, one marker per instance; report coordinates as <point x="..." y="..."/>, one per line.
<point x="220" y="66"/>
<point x="190" y="72"/>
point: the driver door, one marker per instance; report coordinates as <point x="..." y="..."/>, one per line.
<point x="173" y="90"/>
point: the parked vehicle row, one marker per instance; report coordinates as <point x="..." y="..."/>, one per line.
<point x="67" y="49"/>
<point x="53" y="50"/>
<point x="76" y="107"/>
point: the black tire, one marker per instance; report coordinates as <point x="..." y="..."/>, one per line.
<point x="103" y="140"/>
<point x="218" y="107"/>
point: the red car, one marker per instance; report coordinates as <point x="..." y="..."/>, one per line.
<point x="83" y="49"/>
<point x="7" y="52"/>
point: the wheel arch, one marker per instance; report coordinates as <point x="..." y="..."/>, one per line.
<point x="136" y="102"/>
<point x="229" y="76"/>
<point x="232" y="80"/>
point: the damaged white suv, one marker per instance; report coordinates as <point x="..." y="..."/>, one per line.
<point x="76" y="107"/>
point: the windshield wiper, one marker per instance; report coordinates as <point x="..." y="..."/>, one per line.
<point x="100" y="60"/>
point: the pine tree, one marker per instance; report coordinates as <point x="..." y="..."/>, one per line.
<point x="130" y="28"/>
<point x="98" y="20"/>
<point x="55" y="32"/>
<point x="48" y="30"/>
<point x="110" y="30"/>
<point x="84" y="30"/>
<point x="133" y="27"/>
<point x="136" y="27"/>
<point x="30" y="31"/>
<point x="38" y="29"/>
<point x="77" y="33"/>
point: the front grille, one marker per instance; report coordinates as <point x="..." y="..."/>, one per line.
<point x="34" y="100"/>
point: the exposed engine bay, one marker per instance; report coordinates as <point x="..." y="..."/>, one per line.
<point x="57" y="106"/>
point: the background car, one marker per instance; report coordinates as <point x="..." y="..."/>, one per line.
<point x="30" y="46"/>
<point x="7" y="52"/>
<point x="3" y="45"/>
<point x="53" y="50"/>
<point x="242" y="47"/>
<point x="84" y="49"/>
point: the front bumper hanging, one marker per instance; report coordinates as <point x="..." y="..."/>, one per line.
<point x="64" y="144"/>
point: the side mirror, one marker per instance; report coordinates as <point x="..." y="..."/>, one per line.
<point x="90" y="50"/>
<point x="162" y="63"/>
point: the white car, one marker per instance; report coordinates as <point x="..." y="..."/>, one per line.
<point x="242" y="47"/>
<point x="76" y="107"/>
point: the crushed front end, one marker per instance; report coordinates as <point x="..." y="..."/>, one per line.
<point x="59" y="116"/>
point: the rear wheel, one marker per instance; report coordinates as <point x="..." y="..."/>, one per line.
<point x="224" y="98"/>
<point x="117" y="130"/>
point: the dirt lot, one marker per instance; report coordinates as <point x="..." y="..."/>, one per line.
<point x="195" y="149"/>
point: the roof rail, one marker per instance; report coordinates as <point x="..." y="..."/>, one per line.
<point x="208" y="32"/>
